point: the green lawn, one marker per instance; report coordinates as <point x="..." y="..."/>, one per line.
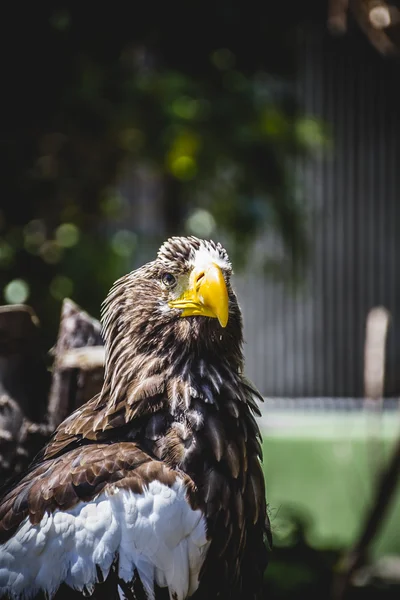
<point x="321" y="467"/>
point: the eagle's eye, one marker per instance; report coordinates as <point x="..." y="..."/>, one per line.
<point x="168" y="280"/>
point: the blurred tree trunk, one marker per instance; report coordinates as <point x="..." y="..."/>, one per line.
<point x="34" y="401"/>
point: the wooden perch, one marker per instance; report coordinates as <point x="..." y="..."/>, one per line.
<point x="387" y="476"/>
<point x="374" y="383"/>
<point x="78" y="369"/>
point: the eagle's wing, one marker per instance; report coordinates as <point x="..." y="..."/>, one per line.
<point x="74" y="517"/>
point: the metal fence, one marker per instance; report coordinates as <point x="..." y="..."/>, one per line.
<point x="311" y="343"/>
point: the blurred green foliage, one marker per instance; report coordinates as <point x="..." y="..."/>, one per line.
<point x="202" y="95"/>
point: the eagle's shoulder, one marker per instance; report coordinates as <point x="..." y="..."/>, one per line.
<point x="73" y="516"/>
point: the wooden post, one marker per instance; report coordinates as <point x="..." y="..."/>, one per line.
<point x="78" y="370"/>
<point x="33" y="402"/>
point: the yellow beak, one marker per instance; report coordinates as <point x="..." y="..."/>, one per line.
<point x="206" y="295"/>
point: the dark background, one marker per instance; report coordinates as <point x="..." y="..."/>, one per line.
<point x="249" y="122"/>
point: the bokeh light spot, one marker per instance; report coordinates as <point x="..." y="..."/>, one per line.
<point x="200" y="223"/>
<point x="61" y="287"/>
<point x="310" y="133"/>
<point x="112" y="204"/>
<point x="186" y="142"/>
<point x="16" y="291"/>
<point x="34" y="236"/>
<point x="185" y="107"/>
<point x="183" y="167"/>
<point x="51" y="252"/>
<point x="67" y="235"/>
<point x="124" y="242"/>
<point x="6" y="253"/>
<point x="273" y="123"/>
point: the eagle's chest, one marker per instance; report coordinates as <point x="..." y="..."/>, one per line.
<point x="209" y="443"/>
<point x="178" y="438"/>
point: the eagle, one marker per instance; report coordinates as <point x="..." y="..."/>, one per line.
<point x="154" y="488"/>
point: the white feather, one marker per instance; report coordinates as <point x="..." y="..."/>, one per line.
<point x="207" y="254"/>
<point x="155" y="532"/>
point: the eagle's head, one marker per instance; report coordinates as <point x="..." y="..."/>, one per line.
<point x="194" y="278"/>
<point x="178" y="306"/>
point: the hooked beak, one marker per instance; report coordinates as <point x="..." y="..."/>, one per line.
<point x="206" y="295"/>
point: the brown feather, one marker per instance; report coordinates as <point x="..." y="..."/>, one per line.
<point x="232" y="458"/>
<point x="215" y="435"/>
